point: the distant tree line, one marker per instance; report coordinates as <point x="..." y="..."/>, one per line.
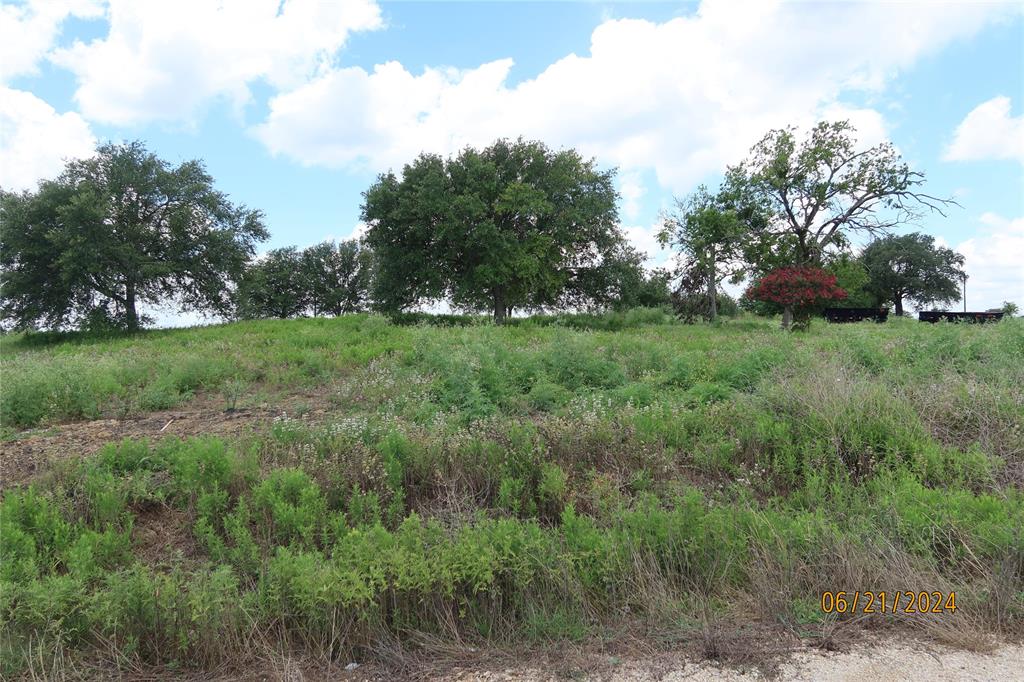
<point x="325" y="279"/>
<point x="515" y="226"/>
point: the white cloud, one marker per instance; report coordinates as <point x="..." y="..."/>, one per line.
<point x="645" y="239"/>
<point x="631" y="187"/>
<point x="993" y="262"/>
<point x="29" y="30"/>
<point x="35" y="140"/>
<point x="165" y="61"/>
<point x="989" y="131"/>
<point x="683" y="97"/>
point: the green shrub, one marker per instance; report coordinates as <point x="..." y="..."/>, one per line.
<point x="292" y="507"/>
<point x="546" y="396"/>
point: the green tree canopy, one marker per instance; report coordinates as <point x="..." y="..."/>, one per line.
<point x="711" y="238"/>
<point x="821" y="190"/>
<point x="514" y="225"/>
<point x="852" y="277"/>
<point x="336" y="277"/>
<point x="117" y="230"/>
<point x="619" y="282"/>
<point x="273" y="286"/>
<point x="911" y="267"/>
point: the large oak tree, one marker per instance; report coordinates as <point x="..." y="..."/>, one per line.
<point x="911" y="267"/>
<point x="118" y="230"/>
<point x="511" y="226"/>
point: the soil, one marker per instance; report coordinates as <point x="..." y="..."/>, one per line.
<point x="881" y="661"/>
<point x="29" y="454"/>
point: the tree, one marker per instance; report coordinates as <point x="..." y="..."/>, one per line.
<point x="1009" y="308"/>
<point x="273" y="286"/>
<point x="691" y="302"/>
<point x="336" y="277"/>
<point x="822" y="190"/>
<point x="711" y="238"/>
<point x="642" y="289"/>
<point x="801" y="289"/>
<point x="853" y="278"/>
<point x="619" y="282"/>
<point x="911" y="267"/>
<point x="118" y="230"/>
<point x="512" y="226"/>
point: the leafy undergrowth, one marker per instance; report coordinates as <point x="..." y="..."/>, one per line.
<point x="530" y="484"/>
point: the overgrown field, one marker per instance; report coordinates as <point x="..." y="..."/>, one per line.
<point x="513" y="486"/>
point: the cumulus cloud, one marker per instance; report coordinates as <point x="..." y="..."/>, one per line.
<point x="35" y="140"/>
<point x="683" y="97"/>
<point x="993" y="262"/>
<point x="29" y="30"/>
<point x="645" y="239"/>
<point x="166" y="61"/>
<point x="989" y="131"/>
<point x="632" y="190"/>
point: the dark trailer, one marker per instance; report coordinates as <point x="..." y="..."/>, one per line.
<point x="856" y="314"/>
<point x="934" y="316"/>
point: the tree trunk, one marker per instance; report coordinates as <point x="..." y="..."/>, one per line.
<point x="500" y="310"/>
<point x="131" y="315"/>
<point x="712" y="295"/>
<point x="787" y="317"/>
<point x="899" y="305"/>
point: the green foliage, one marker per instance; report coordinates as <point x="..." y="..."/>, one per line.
<point x="852" y="277"/>
<point x="820" y="190"/>
<point x="711" y="235"/>
<point x="117" y="230"/>
<point x="542" y="480"/>
<point x="272" y="286"/>
<point x="511" y="226"/>
<point x="546" y="396"/>
<point x="292" y="506"/>
<point x="337" y="277"/>
<point x="910" y="267"/>
<point x="326" y="278"/>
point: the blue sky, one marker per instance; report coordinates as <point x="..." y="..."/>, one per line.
<point x="295" y="106"/>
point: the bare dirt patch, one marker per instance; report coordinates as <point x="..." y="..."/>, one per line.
<point x="884" y="661"/>
<point x="30" y="453"/>
<point x="162" y="535"/>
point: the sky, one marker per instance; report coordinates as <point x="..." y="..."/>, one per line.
<point x="296" y="106"/>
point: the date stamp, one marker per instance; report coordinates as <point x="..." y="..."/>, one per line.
<point x="901" y="602"/>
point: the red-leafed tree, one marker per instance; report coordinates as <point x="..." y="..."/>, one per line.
<point x="799" y="290"/>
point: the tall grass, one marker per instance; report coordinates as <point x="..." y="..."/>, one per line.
<point x="479" y="485"/>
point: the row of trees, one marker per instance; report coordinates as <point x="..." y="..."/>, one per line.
<point x="515" y="226"/>
<point x="326" y="279"/>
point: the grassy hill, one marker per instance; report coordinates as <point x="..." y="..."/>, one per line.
<point x="575" y="478"/>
